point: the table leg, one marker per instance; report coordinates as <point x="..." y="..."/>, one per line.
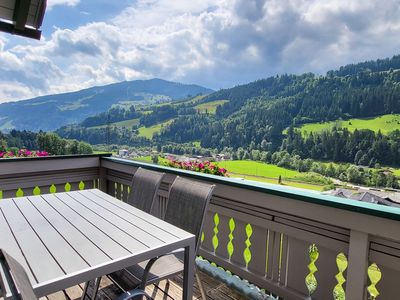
<point x="188" y="272"/>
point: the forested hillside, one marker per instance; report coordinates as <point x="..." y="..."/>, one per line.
<point x="258" y="112"/>
<point x="256" y="116"/>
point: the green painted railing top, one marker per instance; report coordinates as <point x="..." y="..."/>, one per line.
<point x="272" y="189"/>
<point x="14" y="159"/>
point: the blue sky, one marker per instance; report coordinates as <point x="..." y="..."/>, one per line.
<point x="215" y="43"/>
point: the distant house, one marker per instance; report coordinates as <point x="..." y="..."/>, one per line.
<point x="220" y="156"/>
<point x="123" y="152"/>
<point x="369" y="196"/>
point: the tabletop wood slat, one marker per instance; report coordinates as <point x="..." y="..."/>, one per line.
<point x="143" y="234"/>
<point x="91" y="253"/>
<point x="128" y="216"/>
<point x="9" y="244"/>
<point x="32" y="247"/>
<point x="98" y="237"/>
<point x="164" y="227"/>
<point x="102" y="224"/>
<point x="67" y="258"/>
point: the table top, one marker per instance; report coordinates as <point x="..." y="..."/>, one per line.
<point x="67" y="238"/>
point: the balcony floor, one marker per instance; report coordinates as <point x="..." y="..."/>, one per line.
<point x="162" y="291"/>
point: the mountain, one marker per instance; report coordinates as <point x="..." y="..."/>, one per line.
<point x="53" y="111"/>
<point x="263" y="116"/>
<point x="261" y="110"/>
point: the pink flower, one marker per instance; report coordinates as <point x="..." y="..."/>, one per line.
<point x="42" y="153"/>
<point x="203" y="167"/>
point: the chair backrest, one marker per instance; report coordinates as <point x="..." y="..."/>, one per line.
<point x="15" y="278"/>
<point x="144" y="189"/>
<point x="187" y="205"/>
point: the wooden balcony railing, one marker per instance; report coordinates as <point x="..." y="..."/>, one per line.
<point x="291" y="243"/>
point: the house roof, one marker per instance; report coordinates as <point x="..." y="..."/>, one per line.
<point x="373" y="198"/>
<point x="22" y="17"/>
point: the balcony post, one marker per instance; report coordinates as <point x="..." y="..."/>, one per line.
<point x="103" y="179"/>
<point x="358" y="265"/>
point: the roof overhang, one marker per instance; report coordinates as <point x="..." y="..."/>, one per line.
<point x="22" y="17"/>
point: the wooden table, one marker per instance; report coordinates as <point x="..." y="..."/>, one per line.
<point x="68" y="238"/>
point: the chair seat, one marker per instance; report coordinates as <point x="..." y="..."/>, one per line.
<point x="165" y="266"/>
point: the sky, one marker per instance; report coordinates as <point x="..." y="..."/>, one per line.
<point x="214" y="43"/>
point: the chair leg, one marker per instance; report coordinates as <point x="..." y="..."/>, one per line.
<point x="85" y="290"/>
<point x="95" y="289"/>
<point x="201" y="287"/>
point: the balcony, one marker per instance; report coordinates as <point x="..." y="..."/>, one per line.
<point x="290" y="243"/>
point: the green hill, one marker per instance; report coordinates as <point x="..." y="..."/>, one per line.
<point x="253" y="116"/>
<point x="126" y="123"/>
<point x="385" y="123"/>
<point x="148" y="132"/>
<point x="210" y="107"/>
<point x="53" y="111"/>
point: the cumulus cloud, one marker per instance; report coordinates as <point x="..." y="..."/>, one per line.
<point x="216" y="43"/>
<point x="52" y="3"/>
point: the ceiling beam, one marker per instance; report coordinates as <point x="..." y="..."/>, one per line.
<point x="21" y="12"/>
<point x="26" y="32"/>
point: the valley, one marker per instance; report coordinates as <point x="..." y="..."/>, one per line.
<point x="263" y="128"/>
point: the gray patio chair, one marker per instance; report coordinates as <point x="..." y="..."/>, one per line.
<point x="186" y="209"/>
<point x="15" y="278"/>
<point x="144" y="189"/>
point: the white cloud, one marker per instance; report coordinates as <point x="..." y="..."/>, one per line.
<point x="216" y="43"/>
<point x="52" y="3"/>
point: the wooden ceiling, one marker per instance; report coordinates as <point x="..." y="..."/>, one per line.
<point x="22" y="17"/>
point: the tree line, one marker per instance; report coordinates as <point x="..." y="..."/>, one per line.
<point x="44" y="141"/>
<point x="361" y="147"/>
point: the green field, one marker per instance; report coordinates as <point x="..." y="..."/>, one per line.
<point x="255" y="168"/>
<point x="126" y="123"/>
<point x="396" y="172"/>
<point x="191" y="101"/>
<point x="286" y="183"/>
<point x="258" y="171"/>
<point x="144" y="159"/>
<point x="148" y="132"/>
<point x="210" y="107"/>
<point x="385" y="124"/>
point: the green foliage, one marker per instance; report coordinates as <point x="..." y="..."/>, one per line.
<point x="158" y="115"/>
<point x="127" y="123"/>
<point x="154" y="159"/>
<point x="113" y="115"/>
<point x="210" y="107"/>
<point x="148" y="132"/>
<point x="362" y="147"/>
<point x="384" y="124"/>
<point x="117" y="135"/>
<point x="3" y="145"/>
<point x="312" y="177"/>
<point x="55" y="145"/>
